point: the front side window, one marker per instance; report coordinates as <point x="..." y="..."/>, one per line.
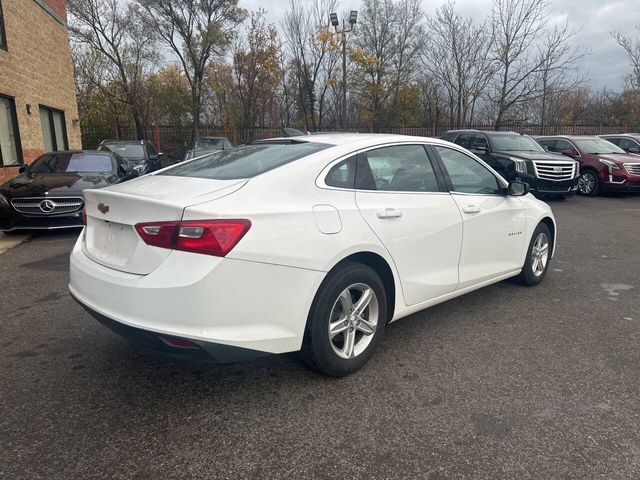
<point x="244" y="162"/>
<point x="54" y="130"/>
<point x="10" y="149"/>
<point x="72" y="163"/>
<point x="479" y="142"/>
<point x="466" y="174"/>
<point x="401" y="168"/>
<point x="562" y="145"/>
<point x="464" y="140"/>
<point x="627" y="144"/>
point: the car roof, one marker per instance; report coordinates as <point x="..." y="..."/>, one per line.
<point x="212" y="138"/>
<point x="633" y="135"/>
<point x="568" y="137"/>
<point x="364" y="139"/>
<point x="133" y="142"/>
<point x="74" y="152"/>
<point x="491" y="132"/>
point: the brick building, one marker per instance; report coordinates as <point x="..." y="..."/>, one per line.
<point x="38" y="110"/>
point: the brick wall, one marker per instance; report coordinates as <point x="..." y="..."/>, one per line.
<point x="37" y="70"/>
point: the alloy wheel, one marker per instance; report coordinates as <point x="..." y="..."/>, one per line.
<point x="353" y="320"/>
<point x="586" y="183"/>
<point x="540" y="254"/>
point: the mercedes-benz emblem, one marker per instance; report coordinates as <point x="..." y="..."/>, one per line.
<point x="47" y="206"/>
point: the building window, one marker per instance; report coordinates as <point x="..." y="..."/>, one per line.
<point x="3" y="37"/>
<point x="54" y="129"/>
<point x="10" y="149"/>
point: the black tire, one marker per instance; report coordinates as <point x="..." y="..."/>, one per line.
<point x="529" y="276"/>
<point x="588" y="183"/>
<point x="318" y="348"/>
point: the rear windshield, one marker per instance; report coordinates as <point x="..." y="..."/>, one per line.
<point x="244" y="162"/>
<point x="68" y="163"/>
<point x="127" y="150"/>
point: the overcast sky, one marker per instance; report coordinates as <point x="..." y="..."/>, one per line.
<point x="605" y="66"/>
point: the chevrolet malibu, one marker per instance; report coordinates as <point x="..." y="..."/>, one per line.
<point x="311" y="243"/>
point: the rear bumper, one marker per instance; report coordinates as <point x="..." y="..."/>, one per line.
<point x="206" y="300"/>
<point x="204" y="351"/>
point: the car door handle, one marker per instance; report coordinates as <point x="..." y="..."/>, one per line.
<point x="389" y="213"/>
<point x="471" y="209"/>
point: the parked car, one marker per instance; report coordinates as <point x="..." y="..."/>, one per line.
<point x="520" y="157"/>
<point x="604" y="167"/>
<point x="203" y="145"/>
<point x="140" y="154"/>
<point x="629" y="142"/>
<point x="47" y="194"/>
<point x="310" y="243"/>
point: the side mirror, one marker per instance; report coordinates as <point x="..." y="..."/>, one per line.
<point x="22" y="169"/>
<point x="568" y="152"/>
<point x="160" y="154"/>
<point x="518" y="189"/>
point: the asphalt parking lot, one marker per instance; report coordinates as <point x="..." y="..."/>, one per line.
<point x="506" y="382"/>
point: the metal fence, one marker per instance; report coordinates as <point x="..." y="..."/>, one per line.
<point x="174" y="140"/>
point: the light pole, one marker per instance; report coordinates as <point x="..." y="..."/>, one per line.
<point x="353" y="17"/>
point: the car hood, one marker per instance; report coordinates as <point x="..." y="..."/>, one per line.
<point x="55" y="184"/>
<point x="536" y="155"/>
<point x="621" y="158"/>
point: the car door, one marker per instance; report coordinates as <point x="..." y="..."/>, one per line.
<point x="493" y="222"/>
<point x="401" y="195"/>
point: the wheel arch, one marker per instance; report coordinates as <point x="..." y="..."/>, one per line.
<point x="381" y="266"/>
<point x="551" y="225"/>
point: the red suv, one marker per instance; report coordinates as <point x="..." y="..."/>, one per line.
<point x="604" y="167"/>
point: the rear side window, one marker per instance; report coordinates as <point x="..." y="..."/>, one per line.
<point x="244" y="162"/>
<point x="343" y="175"/>
<point x="402" y="168"/>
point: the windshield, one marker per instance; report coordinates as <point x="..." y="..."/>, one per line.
<point x="127" y="150"/>
<point x="515" y="143"/>
<point x="244" y="162"/>
<point x="209" y="144"/>
<point x="597" y="146"/>
<point x="70" y="163"/>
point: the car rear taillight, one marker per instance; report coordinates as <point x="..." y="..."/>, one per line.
<point x="209" y="237"/>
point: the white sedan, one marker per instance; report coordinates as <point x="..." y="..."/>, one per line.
<point x="310" y="243"/>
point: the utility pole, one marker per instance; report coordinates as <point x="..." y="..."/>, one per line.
<point x="353" y="17"/>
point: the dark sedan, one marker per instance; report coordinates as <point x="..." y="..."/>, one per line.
<point x="48" y="193"/>
<point x="141" y="155"/>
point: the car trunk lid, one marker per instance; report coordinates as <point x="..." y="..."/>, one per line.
<point x="112" y="213"/>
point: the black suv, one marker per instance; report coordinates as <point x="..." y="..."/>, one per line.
<point x="141" y="155"/>
<point x="520" y="157"/>
<point x="629" y="142"/>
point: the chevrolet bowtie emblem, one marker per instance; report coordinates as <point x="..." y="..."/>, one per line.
<point x="103" y="208"/>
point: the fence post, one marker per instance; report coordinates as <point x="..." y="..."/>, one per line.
<point x="624" y="126"/>
<point x="370" y="126"/>
<point x="573" y="132"/>
<point x="234" y="134"/>
<point x="116" y="132"/>
<point x="156" y="133"/>
<point x="433" y="128"/>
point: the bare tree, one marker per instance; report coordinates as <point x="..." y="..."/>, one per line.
<point x="119" y="49"/>
<point x="388" y="41"/>
<point x="518" y="26"/>
<point x="558" y="59"/>
<point x="313" y="49"/>
<point x="458" y="56"/>
<point x="195" y="32"/>
<point x="631" y="45"/>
